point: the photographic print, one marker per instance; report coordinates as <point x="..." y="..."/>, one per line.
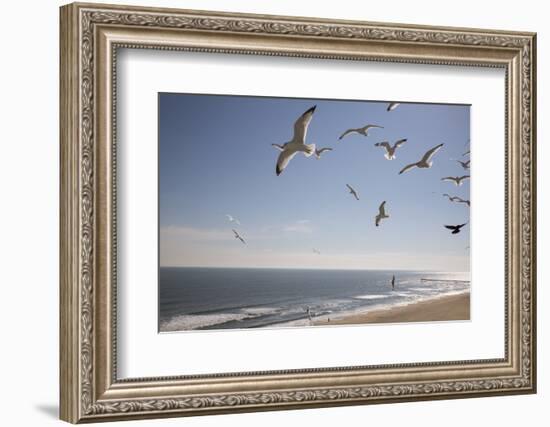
<point x="292" y="212"/>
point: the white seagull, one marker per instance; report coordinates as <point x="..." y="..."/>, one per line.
<point x="456" y="179"/>
<point x="392" y="106"/>
<point x="381" y="213"/>
<point x="465" y="165"/>
<point x="361" y="131"/>
<point x="457" y="199"/>
<point x="321" y="151"/>
<point x="297" y="144"/>
<point x="390" y="150"/>
<point x="424" y="162"/>
<point x="233" y="219"/>
<point x="237" y="236"/>
<point x="352" y="191"/>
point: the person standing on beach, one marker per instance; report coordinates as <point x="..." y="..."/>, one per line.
<point x="393" y="283"/>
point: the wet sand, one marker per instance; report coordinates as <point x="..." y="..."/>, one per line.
<point x="453" y="307"/>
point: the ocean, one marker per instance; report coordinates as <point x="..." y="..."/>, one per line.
<point x="196" y="298"/>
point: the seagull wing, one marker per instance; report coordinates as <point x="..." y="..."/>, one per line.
<point x="301" y="125"/>
<point x="463" y="177"/>
<point x="429" y="154"/>
<point x="392" y="106"/>
<point x="367" y="127"/>
<point x="450" y="227"/>
<point x="449" y="178"/>
<point x="347" y="132"/>
<point x="384" y="144"/>
<point x="279" y="147"/>
<point x="408" y="167"/>
<point x="399" y="143"/>
<point x="322" y="150"/>
<point x="282" y="162"/>
<point x="382" y="209"/>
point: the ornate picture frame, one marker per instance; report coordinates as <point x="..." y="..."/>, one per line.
<point x="90" y="37"/>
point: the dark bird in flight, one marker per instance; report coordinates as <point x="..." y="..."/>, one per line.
<point x="456" y="228"/>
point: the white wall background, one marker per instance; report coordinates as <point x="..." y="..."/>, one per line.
<point x="29" y="170"/>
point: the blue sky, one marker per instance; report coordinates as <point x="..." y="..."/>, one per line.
<point x="216" y="158"/>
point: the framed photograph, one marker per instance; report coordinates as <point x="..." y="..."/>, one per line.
<point x="266" y="212"/>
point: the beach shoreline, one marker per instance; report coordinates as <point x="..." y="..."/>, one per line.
<point x="442" y="308"/>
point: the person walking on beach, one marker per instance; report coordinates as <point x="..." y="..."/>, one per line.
<point x="393" y="283"/>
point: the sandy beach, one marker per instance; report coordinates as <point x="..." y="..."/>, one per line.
<point x="453" y="307"/>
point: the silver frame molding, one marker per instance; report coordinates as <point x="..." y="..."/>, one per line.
<point x="90" y="37"/>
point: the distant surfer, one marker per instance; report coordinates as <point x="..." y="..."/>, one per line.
<point x="393" y="283"/>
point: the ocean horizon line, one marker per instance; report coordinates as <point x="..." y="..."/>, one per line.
<point x="314" y="268"/>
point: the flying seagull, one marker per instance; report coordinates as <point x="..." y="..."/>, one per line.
<point x="321" y="151"/>
<point x="455" y="228"/>
<point x="381" y="213"/>
<point x="233" y="219"/>
<point x="456" y="199"/>
<point x="237" y="236"/>
<point x="297" y="144"/>
<point x="456" y="179"/>
<point x="361" y="131"/>
<point x="352" y="191"/>
<point x="390" y="150"/>
<point x="465" y="165"/>
<point x="316" y="251"/>
<point x="424" y="162"/>
<point x="279" y="147"/>
<point x="392" y="106"/>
